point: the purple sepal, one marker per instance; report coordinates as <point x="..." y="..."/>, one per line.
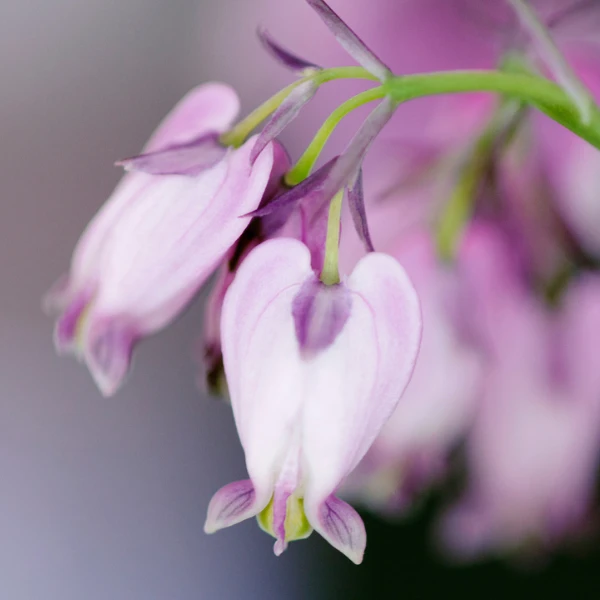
<point x="191" y="158"/>
<point x="290" y="198"/>
<point x="357" y="49"/>
<point x="320" y="313"/>
<point x="288" y="110"/>
<point x="285" y="57"/>
<point x="348" y="164"/>
<point x="343" y="528"/>
<point x="356" y="203"/>
<point x="108" y="349"/>
<point x="232" y="504"/>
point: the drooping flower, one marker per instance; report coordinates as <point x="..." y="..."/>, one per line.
<point x="155" y="241"/>
<point x="533" y="451"/>
<point x="314" y="371"/>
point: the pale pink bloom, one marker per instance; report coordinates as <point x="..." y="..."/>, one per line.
<point x="533" y="451"/>
<point x="159" y="236"/>
<point x="314" y="372"/>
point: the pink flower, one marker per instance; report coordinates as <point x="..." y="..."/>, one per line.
<point x="533" y="451"/>
<point x="314" y="372"/>
<point x="155" y="241"/>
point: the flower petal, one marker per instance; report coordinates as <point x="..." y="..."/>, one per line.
<point x="320" y="312"/>
<point x="285" y="57"/>
<point x="166" y="245"/>
<point x="357" y="382"/>
<point x="207" y="108"/>
<point x="347" y="166"/>
<point x="211" y="107"/>
<point x="108" y="347"/>
<point x="233" y="504"/>
<point x="291" y="197"/>
<point x="356" y="204"/>
<point x="288" y="110"/>
<point x="190" y="158"/>
<point x="341" y="526"/>
<point x="259" y="344"/>
<point x="349" y="40"/>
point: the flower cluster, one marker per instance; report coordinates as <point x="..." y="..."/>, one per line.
<point x="369" y="362"/>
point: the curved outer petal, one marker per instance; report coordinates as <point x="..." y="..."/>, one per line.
<point x="261" y="355"/>
<point x="358" y="381"/>
<point x="164" y="247"/>
<point x="440" y="400"/>
<point x="206" y="108"/>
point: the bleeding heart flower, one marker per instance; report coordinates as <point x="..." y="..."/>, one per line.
<point x="314" y="372"/>
<point x="153" y="244"/>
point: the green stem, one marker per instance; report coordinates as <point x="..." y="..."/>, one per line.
<point x="330" y="274"/>
<point x="237" y="136"/>
<point x="541" y="93"/>
<point x="458" y="209"/>
<point x="301" y="170"/>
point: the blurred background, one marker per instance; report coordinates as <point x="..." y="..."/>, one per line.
<point x="106" y="499"/>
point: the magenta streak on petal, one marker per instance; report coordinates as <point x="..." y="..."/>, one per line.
<point x="191" y="158"/>
<point x="320" y="313"/>
<point x="350" y="41"/>
<point x="356" y="203"/>
<point x="288" y="110"/>
<point x="285" y="57"/>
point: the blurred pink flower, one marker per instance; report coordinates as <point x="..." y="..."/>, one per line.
<point x="314" y="372"/>
<point x="438" y="406"/>
<point x="160" y="235"/>
<point x="533" y="451"/>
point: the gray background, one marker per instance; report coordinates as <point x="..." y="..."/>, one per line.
<point x="106" y="499"/>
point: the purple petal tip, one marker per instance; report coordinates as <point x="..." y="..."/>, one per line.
<point x="343" y="528"/>
<point x="285" y="57"/>
<point x="356" y="203"/>
<point x="191" y="158"/>
<point x="232" y="504"/>
<point x="290" y="108"/>
<point x="108" y="349"/>
<point x="350" y="41"/>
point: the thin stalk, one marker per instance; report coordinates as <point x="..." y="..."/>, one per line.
<point x="330" y="274"/>
<point x="237" y="135"/>
<point x="545" y="95"/>
<point x="302" y="169"/>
